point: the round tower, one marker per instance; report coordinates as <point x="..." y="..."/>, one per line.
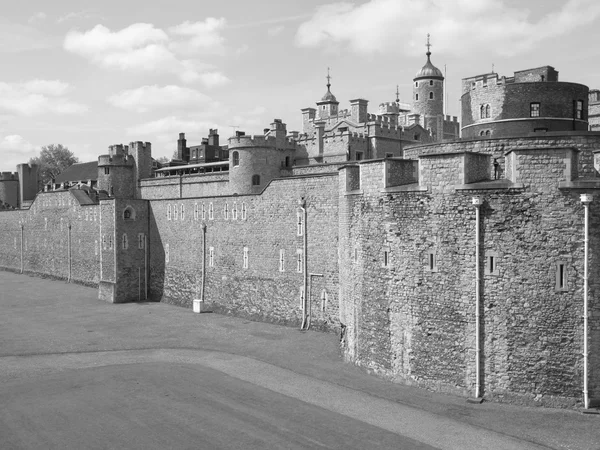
<point x="428" y="89"/>
<point x="115" y="172"/>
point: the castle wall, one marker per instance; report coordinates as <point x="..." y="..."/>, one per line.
<point x="268" y="225"/>
<point x="196" y="185"/>
<point x="415" y="323"/>
<point x="46" y="237"/>
<point x="586" y="142"/>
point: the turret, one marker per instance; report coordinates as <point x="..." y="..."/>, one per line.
<point x="328" y="106"/>
<point x="28" y="182"/>
<point x="116" y="172"/>
<point x="358" y="110"/>
<point x="428" y="89"/>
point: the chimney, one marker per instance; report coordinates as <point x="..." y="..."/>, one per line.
<point x="213" y="137"/>
<point x="181" y="146"/>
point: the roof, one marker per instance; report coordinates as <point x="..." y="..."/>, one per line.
<point x="79" y="172"/>
<point x="81" y="196"/>
<point x="429" y="70"/>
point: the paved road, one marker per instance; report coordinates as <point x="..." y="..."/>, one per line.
<point x="79" y="373"/>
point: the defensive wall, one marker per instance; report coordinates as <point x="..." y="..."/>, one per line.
<point x="408" y="274"/>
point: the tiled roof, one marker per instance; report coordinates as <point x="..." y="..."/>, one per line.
<point x="79" y="172"/>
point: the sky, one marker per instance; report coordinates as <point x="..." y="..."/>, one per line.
<point x="92" y="74"/>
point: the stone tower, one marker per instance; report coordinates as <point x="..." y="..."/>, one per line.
<point x="328" y="106"/>
<point x="428" y="89"/>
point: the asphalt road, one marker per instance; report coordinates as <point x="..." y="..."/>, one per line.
<point x="79" y="373"/>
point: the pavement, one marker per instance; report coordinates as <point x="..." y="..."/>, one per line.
<point x="76" y="372"/>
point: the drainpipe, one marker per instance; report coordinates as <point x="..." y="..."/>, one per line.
<point x="203" y="262"/>
<point x="586" y="199"/>
<point x="22" y="226"/>
<point x="69" y="250"/>
<point x="477" y="203"/>
<point x="145" y="267"/>
<point x="304" y="326"/>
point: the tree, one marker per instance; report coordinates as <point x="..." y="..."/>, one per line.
<point x="53" y="159"/>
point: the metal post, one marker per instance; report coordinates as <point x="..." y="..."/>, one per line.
<point x="586" y="199"/>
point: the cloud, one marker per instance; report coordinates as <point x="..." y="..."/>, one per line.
<point x="37" y="17"/>
<point x="383" y="25"/>
<point x="37" y="97"/>
<point x="76" y="15"/>
<point x="148" y="98"/>
<point x="142" y="46"/>
<point x="15" y="150"/>
<point x="274" y="31"/>
<point x="204" y="37"/>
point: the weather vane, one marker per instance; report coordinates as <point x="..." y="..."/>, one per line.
<point x="328" y="79"/>
<point x="397" y="94"/>
<point x="428" y="45"/>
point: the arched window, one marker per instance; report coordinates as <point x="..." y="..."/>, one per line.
<point x="430" y="82"/>
<point x="235" y="159"/>
<point x="255" y="180"/>
<point x="431" y="96"/>
<point x="482" y="112"/>
<point x="488" y="132"/>
<point x="487" y="111"/>
<point x="129" y="213"/>
<point x="416" y="84"/>
<point x="481" y="133"/>
<point x="416" y="96"/>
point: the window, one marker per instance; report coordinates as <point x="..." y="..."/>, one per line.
<point x="579" y="109"/>
<point x="243" y="211"/>
<point x="491" y="266"/>
<point x="182" y="211"/>
<point x="203" y="212"/>
<point x="104" y="246"/>
<point x="431" y="261"/>
<point x="96" y="247"/>
<point x="235" y="159"/>
<point x="488" y="132"/>
<point x="107" y="171"/>
<point x="175" y="212"/>
<point x="210" y="211"/>
<point x="389" y="155"/>
<point x="226" y="212"/>
<point x="416" y="84"/>
<point x="359" y="156"/>
<point x="234" y="211"/>
<point x="167" y="253"/>
<point x="140" y="241"/>
<point x="168" y="212"/>
<point x="128" y="213"/>
<point x="431" y="96"/>
<point x="300" y="223"/>
<point x="287" y="161"/>
<point x="485" y="111"/>
<point x="282" y="260"/>
<point x="430" y="82"/>
<point x="110" y="242"/>
<point x="124" y="242"/>
<point x="386" y="257"/>
<point x="255" y="180"/>
<point x="211" y="257"/>
<point x="534" y="110"/>
<point x="561" y="276"/>
<point x="245" y="258"/>
<point x="195" y="211"/>
<point x="482" y="133"/>
<point x="416" y="96"/>
<point x="299" y="260"/>
<point x="417" y="137"/>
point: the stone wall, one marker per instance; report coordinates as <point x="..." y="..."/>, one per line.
<point x="413" y="319"/>
<point x="50" y="247"/>
<point x="265" y="225"/>
<point x="197" y="185"/>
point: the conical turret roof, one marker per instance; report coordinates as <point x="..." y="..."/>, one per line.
<point x="429" y="71"/>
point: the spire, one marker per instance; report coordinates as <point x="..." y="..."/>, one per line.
<point x="397" y="94"/>
<point x="328" y="80"/>
<point x="428" y="45"/>
<point x="329" y="97"/>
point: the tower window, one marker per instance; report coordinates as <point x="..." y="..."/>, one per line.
<point x="195" y="211"/>
<point x="235" y="158"/>
<point x="182" y="211"/>
<point x="430" y="82"/>
<point x="168" y="212"/>
<point x="140" y="240"/>
<point x="300" y="229"/>
<point x="226" y="212"/>
<point x="107" y="171"/>
<point x="416" y="96"/>
<point x="125" y="242"/>
<point x="431" y="96"/>
<point x="299" y="260"/>
<point x="282" y="260"/>
<point x="245" y="257"/>
<point x="203" y="212"/>
<point x="579" y="110"/>
<point x="243" y="211"/>
<point x="234" y="211"/>
<point x="561" y="276"/>
<point x="211" y="257"/>
<point x="534" y="110"/>
<point x="416" y="84"/>
<point x="431" y="264"/>
<point x="210" y="211"/>
<point x="255" y="180"/>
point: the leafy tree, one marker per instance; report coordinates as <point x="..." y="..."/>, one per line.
<point x="163" y="159"/>
<point x="53" y="159"/>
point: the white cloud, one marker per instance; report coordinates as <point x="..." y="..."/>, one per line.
<point x="147" y="98"/>
<point x="204" y="37"/>
<point x="15" y="150"/>
<point x="382" y="25"/>
<point x="37" y="97"/>
<point x="274" y="31"/>
<point x="142" y="46"/>
<point x="76" y="15"/>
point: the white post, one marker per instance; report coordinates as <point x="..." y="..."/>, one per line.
<point x="586" y="199"/>
<point x="477" y="203"/>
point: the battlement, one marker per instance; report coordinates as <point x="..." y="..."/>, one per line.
<point x="139" y="145"/>
<point x="258" y="140"/>
<point x="117" y="149"/>
<point x="9" y="176"/>
<point x="448" y="118"/>
<point x="389" y="108"/>
<point x="116" y="160"/>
